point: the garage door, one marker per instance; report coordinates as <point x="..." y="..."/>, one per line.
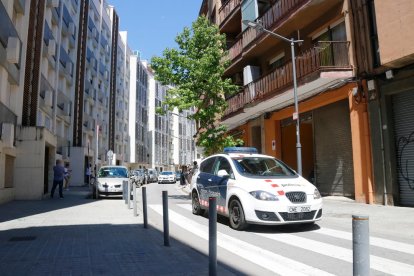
<point x="403" y="112"/>
<point x="334" y="174"/>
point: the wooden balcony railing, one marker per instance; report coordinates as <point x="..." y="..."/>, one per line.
<point x="327" y="55"/>
<point x="227" y="8"/>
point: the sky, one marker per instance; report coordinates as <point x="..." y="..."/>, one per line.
<point x="153" y="25"/>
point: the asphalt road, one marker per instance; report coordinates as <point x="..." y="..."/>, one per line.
<point x="321" y="249"/>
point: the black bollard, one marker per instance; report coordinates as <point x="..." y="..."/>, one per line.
<point x="165" y="217"/>
<point x="212" y="236"/>
<point x="144" y="206"/>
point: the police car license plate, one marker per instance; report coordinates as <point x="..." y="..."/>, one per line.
<point x="298" y="209"/>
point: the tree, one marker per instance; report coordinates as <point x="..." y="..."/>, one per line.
<point x="195" y="71"/>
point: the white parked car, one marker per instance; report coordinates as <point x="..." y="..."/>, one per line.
<point x="252" y="188"/>
<point x="166" y="177"/>
<point x="110" y="180"/>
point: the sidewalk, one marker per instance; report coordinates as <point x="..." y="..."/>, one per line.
<point x="80" y="236"/>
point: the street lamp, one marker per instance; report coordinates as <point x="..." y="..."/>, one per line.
<point x="259" y="26"/>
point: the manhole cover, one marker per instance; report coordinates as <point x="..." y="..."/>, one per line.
<point x="22" y="238"/>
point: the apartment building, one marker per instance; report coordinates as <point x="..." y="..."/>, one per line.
<point x="138" y="114"/>
<point x="14" y="17"/>
<point x="61" y="69"/>
<point x="334" y="133"/>
<point x="385" y="55"/>
<point x="159" y="127"/>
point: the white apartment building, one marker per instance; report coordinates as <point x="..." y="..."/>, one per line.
<point x="13" y="38"/>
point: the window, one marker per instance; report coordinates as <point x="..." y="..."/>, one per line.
<point x="333" y="45"/>
<point x="207" y="165"/>
<point x="277" y="61"/>
<point x="224" y="165"/>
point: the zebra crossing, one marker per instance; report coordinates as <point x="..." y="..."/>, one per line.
<point x="276" y="263"/>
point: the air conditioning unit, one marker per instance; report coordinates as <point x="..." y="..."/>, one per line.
<point x="106" y="74"/>
<point x="49" y="98"/>
<point x="7" y="134"/>
<point x="53" y="3"/>
<point x="71" y="28"/>
<point x="95" y="81"/>
<point x="51" y="50"/>
<point x="250" y="74"/>
<point x="13" y="50"/>
<point x="108" y="49"/>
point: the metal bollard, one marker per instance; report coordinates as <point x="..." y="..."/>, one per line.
<point x="212" y="236"/>
<point x="165" y="218"/>
<point x="124" y="193"/>
<point x="360" y="245"/>
<point x="135" y="200"/>
<point x="144" y="206"/>
<point x="129" y="195"/>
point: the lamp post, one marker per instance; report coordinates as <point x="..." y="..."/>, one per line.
<point x="259" y="26"/>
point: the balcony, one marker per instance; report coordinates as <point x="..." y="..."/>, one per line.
<point x="316" y="69"/>
<point x="230" y="16"/>
<point x="67" y="64"/>
<point x="64" y="107"/>
<point x="284" y="17"/>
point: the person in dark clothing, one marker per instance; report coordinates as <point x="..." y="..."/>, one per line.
<point x="58" y="176"/>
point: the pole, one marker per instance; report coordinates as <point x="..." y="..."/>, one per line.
<point x="124" y="192"/>
<point x="135" y="200"/>
<point x="295" y="95"/>
<point x="212" y="236"/>
<point x="165" y="217"/>
<point x="360" y="245"/>
<point x="129" y="195"/>
<point x="144" y="206"/>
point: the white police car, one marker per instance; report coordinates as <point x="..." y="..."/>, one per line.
<point x="252" y="188"/>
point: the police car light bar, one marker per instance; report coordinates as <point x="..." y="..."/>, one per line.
<point x="249" y="150"/>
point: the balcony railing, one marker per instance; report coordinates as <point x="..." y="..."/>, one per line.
<point x="327" y="55"/>
<point x="272" y="17"/>
<point x="227" y="8"/>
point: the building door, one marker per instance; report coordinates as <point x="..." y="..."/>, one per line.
<point x="289" y="152"/>
<point x="257" y="138"/>
<point x="334" y="173"/>
<point x="46" y="172"/>
<point x="403" y="117"/>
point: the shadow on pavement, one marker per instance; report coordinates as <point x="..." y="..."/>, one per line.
<point x="23" y="208"/>
<point x="104" y="249"/>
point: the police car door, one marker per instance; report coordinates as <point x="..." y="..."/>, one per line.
<point x="205" y="179"/>
<point x="220" y="182"/>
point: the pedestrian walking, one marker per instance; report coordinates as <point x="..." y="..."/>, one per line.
<point x="58" y="176"/>
<point x="68" y="172"/>
<point x="183" y="175"/>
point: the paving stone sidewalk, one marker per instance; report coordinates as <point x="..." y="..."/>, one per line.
<point x="80" y="236"/>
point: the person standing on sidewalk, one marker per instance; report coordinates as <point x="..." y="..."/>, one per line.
<point x="58" y="176"/>
<point x="67" y="176"/>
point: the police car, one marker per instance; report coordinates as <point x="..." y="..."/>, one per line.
<point x="252" y="188"/>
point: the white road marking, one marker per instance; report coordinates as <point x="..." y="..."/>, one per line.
<point x="261" y="257"/>
<point x="377" y="263"/>
<point x="379" y="242"/>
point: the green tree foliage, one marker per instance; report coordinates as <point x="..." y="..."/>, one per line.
<point x="195" y="71"/>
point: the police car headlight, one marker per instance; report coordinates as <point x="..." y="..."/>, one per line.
<point x="316" y="194"/>
<point x="262" y="195"/>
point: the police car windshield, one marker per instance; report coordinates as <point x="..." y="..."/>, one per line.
<point x="261" y="166"/>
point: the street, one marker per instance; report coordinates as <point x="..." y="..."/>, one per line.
<point x="321" y="249"/>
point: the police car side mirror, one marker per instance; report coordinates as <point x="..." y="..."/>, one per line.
<point x="223" y="173"/>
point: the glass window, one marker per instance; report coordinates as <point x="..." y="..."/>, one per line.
<point x="262" y="166"/>
<point x="206" y="166"/>
<point x="224" y="165"/>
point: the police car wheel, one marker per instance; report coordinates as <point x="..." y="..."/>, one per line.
<point x="196" y="205"/>
<point x="236" y="215"/>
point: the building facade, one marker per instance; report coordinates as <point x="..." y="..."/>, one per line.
<point x="13" y="38"/>
<point x="385" y="54"/>
<point x="61" y="68"/>
<point x="334" y="134"/>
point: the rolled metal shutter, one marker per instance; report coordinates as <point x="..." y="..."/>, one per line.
<point x="334" y="172"/>
<point x="403" y="115"/>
